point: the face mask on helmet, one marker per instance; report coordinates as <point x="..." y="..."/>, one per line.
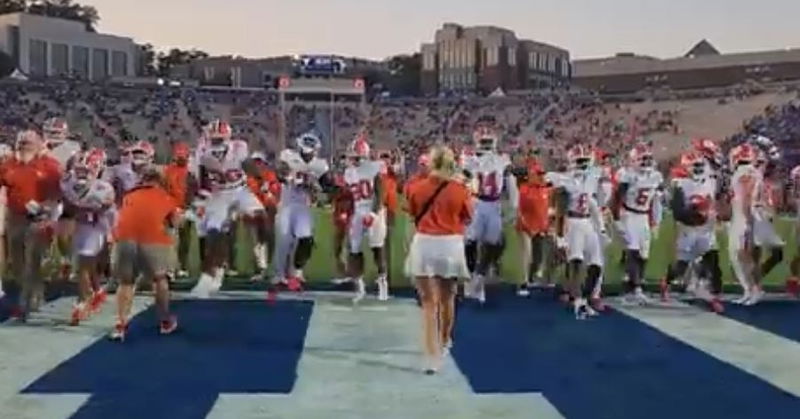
<point x="582" y="164"/>
<point x="486" y="145"/>
<point x="139" y="158"/>
<point x="698" y="169"/>
<point x="646" y="162"/>
<point x="82" y="174"/>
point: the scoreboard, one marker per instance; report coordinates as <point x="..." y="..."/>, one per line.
<point x="319" y="65"/>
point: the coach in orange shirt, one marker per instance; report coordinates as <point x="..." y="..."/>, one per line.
<point x="31" y="178"/>
<point x="145" y="243"/>
<point x="181" y="185"/>
<point x="441" y="207"/>
<point x="533" y="224"/>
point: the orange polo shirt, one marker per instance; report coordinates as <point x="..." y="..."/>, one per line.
<point x="144" y="214"/>
<point x="449" y="214"/>
<point x="37" y="180"/>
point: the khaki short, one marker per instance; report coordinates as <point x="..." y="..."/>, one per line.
<point x="151" y="260"/>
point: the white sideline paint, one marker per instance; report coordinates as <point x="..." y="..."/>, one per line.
<point x="359" y="362"/>
<point x="29" y="351"/>
<point x="765" y="355"/>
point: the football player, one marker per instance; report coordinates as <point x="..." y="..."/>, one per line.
<point x="55" y="132"/>
<point x="91" y="200"/>
<point x="633" y="212"/>
<point x="746" y="185"/>
<point x="765" y="238"/>
<point x="223" y="164"/>
<point x="578" y="218"/>
<point x="363" y="180"/>
<point x="302" y="174"/>
<point x="262" y="230"/>
<point x="491" y="173"/>
<point x="694" y="204"/>
<point x="135" y="160"/>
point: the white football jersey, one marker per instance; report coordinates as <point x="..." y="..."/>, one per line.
<point x="642" y="189"/>
<point x="360" y="181"/>
<point x="122" y="175"/>
<point x="581" y="189"/>
<point x="301" y="177"/>
<point x="489" y="172"/>
<point x="224" y="167"/>
<point x="97" y="196"/>
<point x="702" y="189"/>
<point x="746" y="182"/>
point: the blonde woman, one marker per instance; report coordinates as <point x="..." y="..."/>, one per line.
<point x="441" y="207"/>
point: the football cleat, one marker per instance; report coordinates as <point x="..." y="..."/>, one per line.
<point x="383" y="288"/>
<point x="203" y="288"/>
<point x="743" y="299"/>
<point x="524" y="290"/>
<point x="169" y="326"/>
<point x="361" y="290"/>
<point x="98" y="299"/>
<point x="582" y="309"/>
<point x="80" y="313"/>
<point x="755" y="297"/>
<point x="294" y="283"/>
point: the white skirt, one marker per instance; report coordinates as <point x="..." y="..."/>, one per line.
<point x="441" y="256"/>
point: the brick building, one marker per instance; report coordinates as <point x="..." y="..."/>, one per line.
<point x="702" y="67"/>
<point x="485" y="58"/>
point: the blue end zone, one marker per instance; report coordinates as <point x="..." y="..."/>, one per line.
<point x="779" y="317"/>
<point x="222" y="347"/>
<point x="612" y="367"/>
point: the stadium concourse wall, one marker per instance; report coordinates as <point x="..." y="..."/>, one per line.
<point x="321" y="268"/>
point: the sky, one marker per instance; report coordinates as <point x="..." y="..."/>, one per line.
<point x="380" y="28"/>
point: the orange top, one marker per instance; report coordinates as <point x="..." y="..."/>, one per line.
<point x="411" y="181"/>
<point x="448" y="214"/>
<point x="177" y="177"/>
<point x="37" y="180"/>
<point x="268" y="199"/>
<point x="143" y="216"/>
<point x="534" y="203"/>
<point x="389" y="183"/>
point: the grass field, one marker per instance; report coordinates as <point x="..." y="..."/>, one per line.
<point x="321" y="266"/>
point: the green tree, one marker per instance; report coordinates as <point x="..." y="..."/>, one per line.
<point x="65" y="9"/>
<point x="148" y="59"/>
<point x="176" y="56"/>
<point x="12" y="6"/>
